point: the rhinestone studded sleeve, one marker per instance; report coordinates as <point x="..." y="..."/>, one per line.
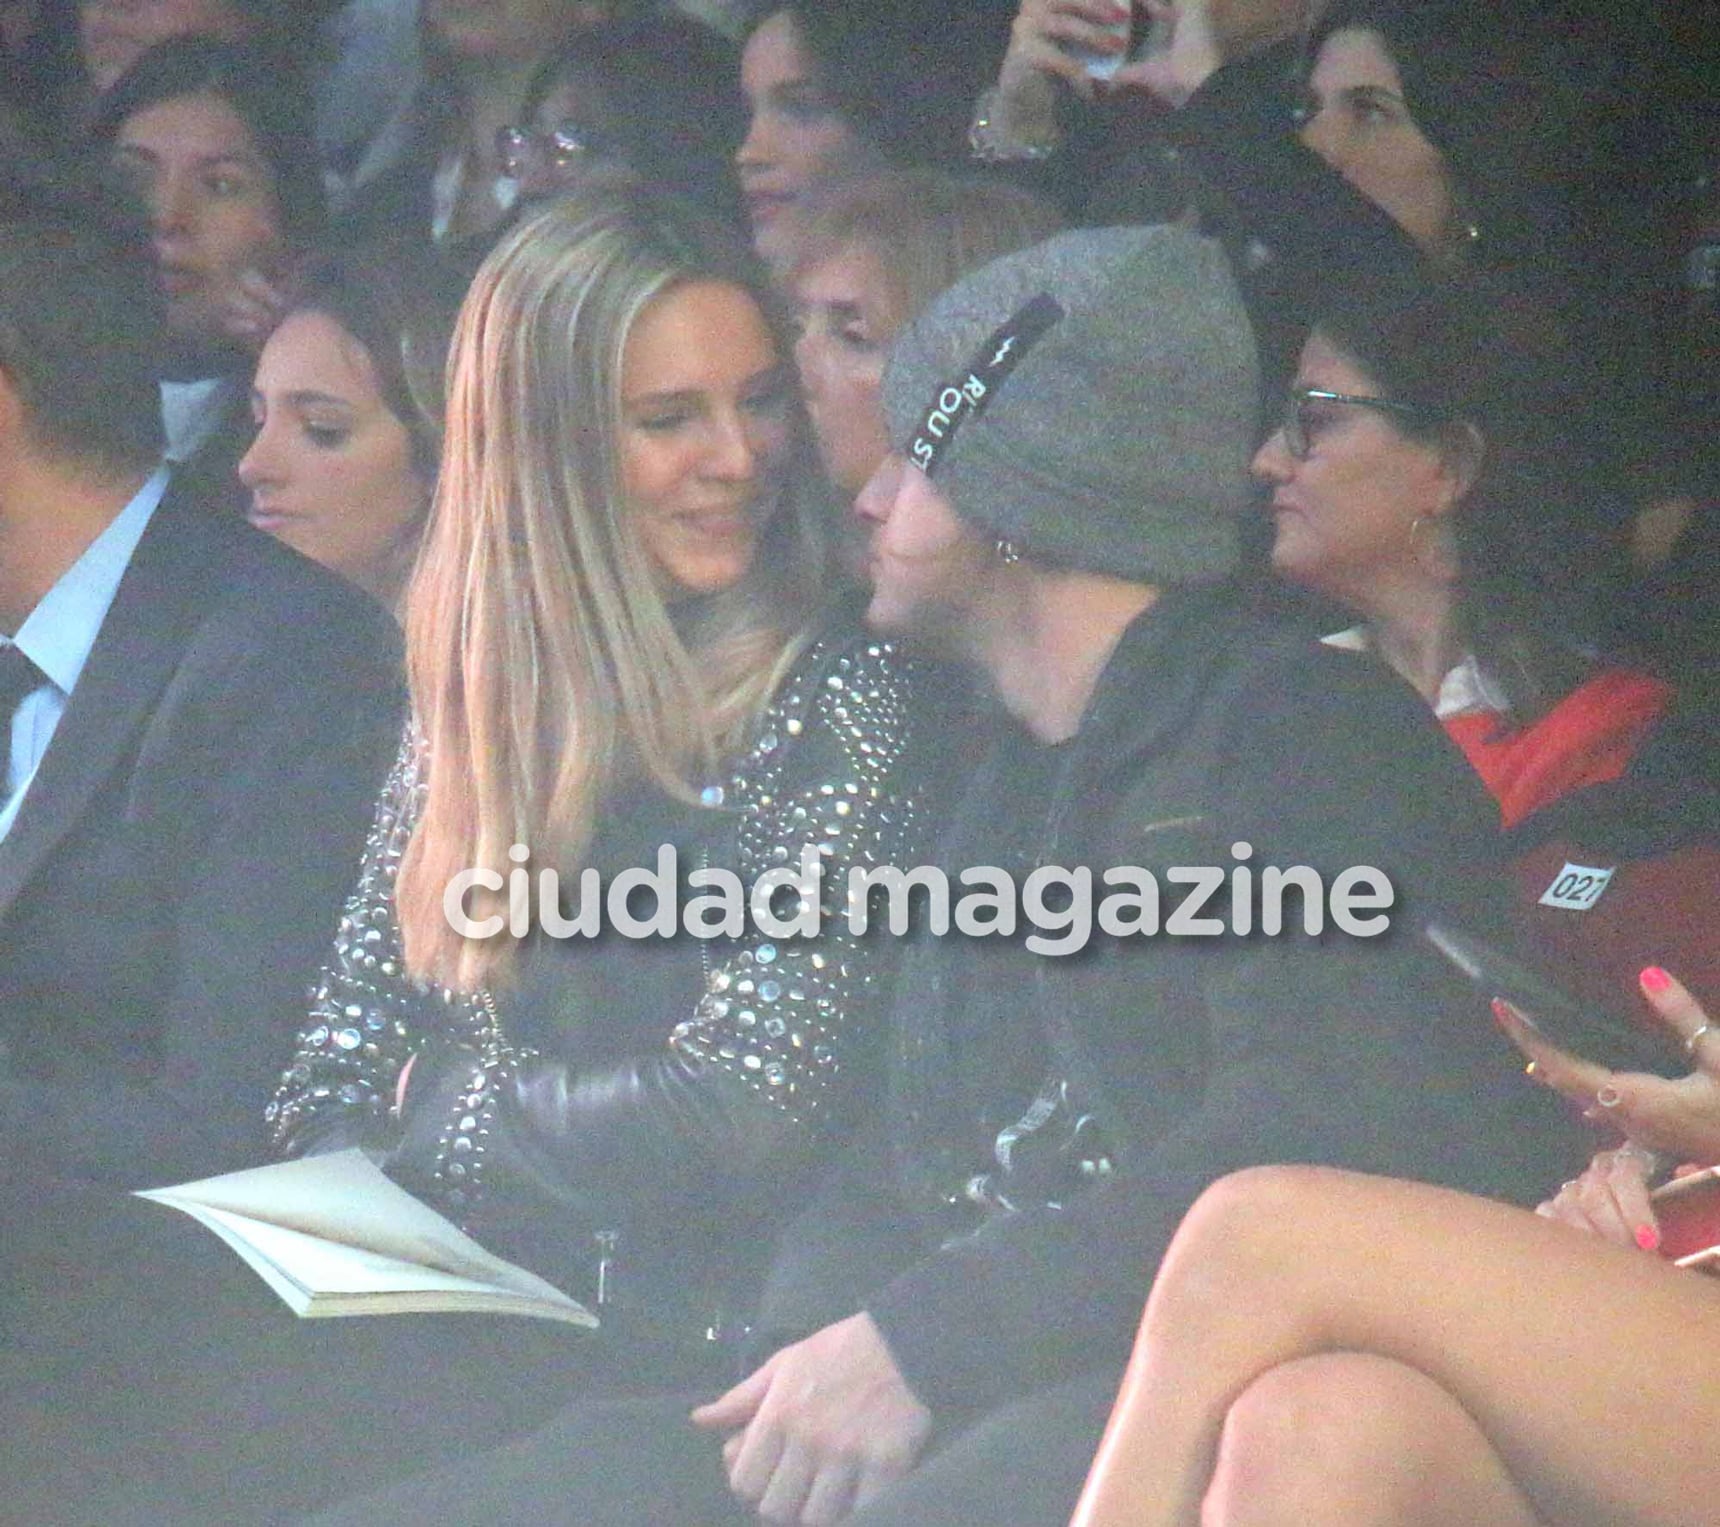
<point x="781" y="1014"/>
<point x="366" y="1016"/>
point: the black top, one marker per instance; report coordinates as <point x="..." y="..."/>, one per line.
<point x="1169" y="1062"/>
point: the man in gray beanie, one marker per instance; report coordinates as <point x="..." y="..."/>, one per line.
<point x="946" y="1323"/>
<point x="1074" y="425"/>
<point x="1074" y="429"/>
<point x="1118" y="434"/>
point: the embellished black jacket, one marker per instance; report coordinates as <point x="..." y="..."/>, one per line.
<point x="633" y="1118"/>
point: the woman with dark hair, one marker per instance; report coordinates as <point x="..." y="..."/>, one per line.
<point x="652" y="101"/>
<point x="484" y="64"/>
<point x="347" y="404"/>
<point x="837" y="90"/>
<point x="1459" y="137"/>
<point x="1415" y="481"/>
<point x="1331" y="143"/>
<point x="215" y="140"/>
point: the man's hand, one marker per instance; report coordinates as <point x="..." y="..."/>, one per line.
<point x="821" y="1427"/>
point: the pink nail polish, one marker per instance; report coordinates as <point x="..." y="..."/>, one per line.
<point x="1648" y="1237"/>
<point x="1654" y="979"/>
<point x="1501" y="1010"/>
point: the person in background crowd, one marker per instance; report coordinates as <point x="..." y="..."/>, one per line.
<point x="344" y="458"/>
<point x="1415" y="481"/>
<point x="840" y="90"/>
<point x="1074" y="108"/>
<point x="1331" y="143"/>
<point x="114" y="34"/>
<point x="481" y="61"/>
<point x="651" y="100"/>
<point x="196" y="718"/>
<point x="1325" y="1348"/>
<point x="1490" y="140"/>
<point x="482" y="57"/>
<point x="860" y="260"/>
<point x="214" y="140"/>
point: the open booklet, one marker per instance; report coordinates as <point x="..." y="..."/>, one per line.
<point x="333" y="1235"/>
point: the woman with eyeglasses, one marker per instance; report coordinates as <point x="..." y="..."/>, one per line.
<point x="474" y="130"/>
<point x="1351" y="137"/>
<point x="1417" y="481"/>
<point x="651" y="102"/>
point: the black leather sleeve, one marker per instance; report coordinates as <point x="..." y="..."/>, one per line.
<point x="602" y="1143"/>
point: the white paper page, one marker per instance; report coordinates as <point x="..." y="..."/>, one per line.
<point x="297" y="1266"/>
<point x="346" y="1198"/>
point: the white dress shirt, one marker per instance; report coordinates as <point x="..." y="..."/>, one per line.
<point x="58" y="634"/>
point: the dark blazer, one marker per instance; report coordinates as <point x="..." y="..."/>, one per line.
<point x="178" y="864"/>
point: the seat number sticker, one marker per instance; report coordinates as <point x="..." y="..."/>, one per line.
<point x="1576" y="888"/>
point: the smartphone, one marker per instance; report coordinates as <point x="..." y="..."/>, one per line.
<point x="1594" y="1035"/>
<point x="1101" y="66"/>
<point x="1136" y="46"/>
<point x="1688" y="1209"/>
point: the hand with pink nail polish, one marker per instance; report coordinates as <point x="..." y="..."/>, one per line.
<point x="1678" y="1116"/>
<point x="1610" y="1199"/>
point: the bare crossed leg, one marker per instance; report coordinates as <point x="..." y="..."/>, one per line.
<point x="1324" y="1347"/>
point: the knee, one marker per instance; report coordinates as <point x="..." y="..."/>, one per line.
<point x="1250" y="1202"/>
<point x="1323" y="1439"/>
<point x="1241" y="1239"/>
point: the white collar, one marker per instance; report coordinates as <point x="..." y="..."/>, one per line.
<point x="1464" y="690"/>
<point x="59" y="633"/>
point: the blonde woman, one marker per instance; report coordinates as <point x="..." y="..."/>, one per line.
<point x="615" y="643"/>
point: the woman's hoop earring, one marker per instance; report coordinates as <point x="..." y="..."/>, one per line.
<point x="1427" y="549"/>
<point x="1008" y="552"/>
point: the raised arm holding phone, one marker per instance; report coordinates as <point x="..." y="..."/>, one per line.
<point x="1326" y="1347"/>
<point x="1099" y="48"/>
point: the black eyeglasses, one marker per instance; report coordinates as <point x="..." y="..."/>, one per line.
<point x="1300" y="430"/>
<point x="516" y="147"/>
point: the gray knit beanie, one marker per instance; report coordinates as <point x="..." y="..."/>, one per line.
<point x="1093" y="400"/>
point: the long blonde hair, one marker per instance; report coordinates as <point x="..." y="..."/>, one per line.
<point x="541" y="654"/>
